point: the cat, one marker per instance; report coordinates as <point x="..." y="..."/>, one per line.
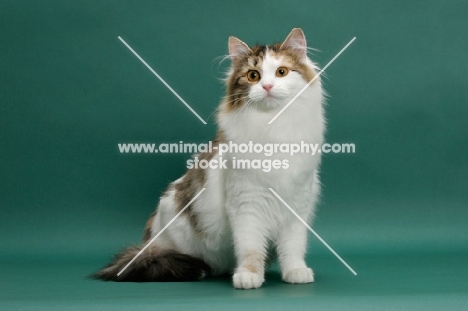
<point x="237" y="225"/>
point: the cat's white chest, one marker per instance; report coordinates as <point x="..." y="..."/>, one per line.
<point x="301" y="123"/>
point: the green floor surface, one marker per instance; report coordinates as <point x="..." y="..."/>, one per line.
<point x="384" y="282"/>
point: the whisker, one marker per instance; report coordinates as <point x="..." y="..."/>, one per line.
<point x="242" y="108"/>
<point x="240" y="93"/>
<point x="226" y="102"/>
<point x="233" y="100"/>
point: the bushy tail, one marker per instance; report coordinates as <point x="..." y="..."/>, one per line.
<point x="153" y="265"/>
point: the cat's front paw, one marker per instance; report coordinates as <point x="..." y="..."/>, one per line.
<point x="247" y="280"/>
<point x="299" y="276"/>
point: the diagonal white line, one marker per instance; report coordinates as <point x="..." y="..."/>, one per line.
<point x="160" y="232"/>
<point x="311" y="81"/>
<point x="312" y="230"/>
<point x="162" y="80"/>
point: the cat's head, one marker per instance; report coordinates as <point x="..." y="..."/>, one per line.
<point x="267" y="77"/>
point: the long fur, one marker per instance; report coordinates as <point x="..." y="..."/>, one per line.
<point x="153" y="266"/>
<point x="237" y="221"/>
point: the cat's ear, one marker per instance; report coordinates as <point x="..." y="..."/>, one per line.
<point x="296" y="41"/>
<point x="237" y="48"/>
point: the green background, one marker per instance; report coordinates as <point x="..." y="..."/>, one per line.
<point x="70" y="91"/>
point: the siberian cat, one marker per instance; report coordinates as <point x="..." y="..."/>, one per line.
<point x="237" y="225"/>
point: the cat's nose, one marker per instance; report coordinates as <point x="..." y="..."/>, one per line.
<point x="267" y="87"/>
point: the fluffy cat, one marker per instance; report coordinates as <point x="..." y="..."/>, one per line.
<point x="237" y="225"/>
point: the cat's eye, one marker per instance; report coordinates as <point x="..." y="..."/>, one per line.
<point x="253" y="75"/>
<point x="282" y="72"/>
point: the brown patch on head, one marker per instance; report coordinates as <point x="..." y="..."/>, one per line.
<point x="192" y="183"/>
<point x="293" y="61"/>
<point x="238" y="85"/>
<point x="292" y="52"/>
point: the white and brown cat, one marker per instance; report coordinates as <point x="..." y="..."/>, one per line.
<point x="237" y="225"/>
